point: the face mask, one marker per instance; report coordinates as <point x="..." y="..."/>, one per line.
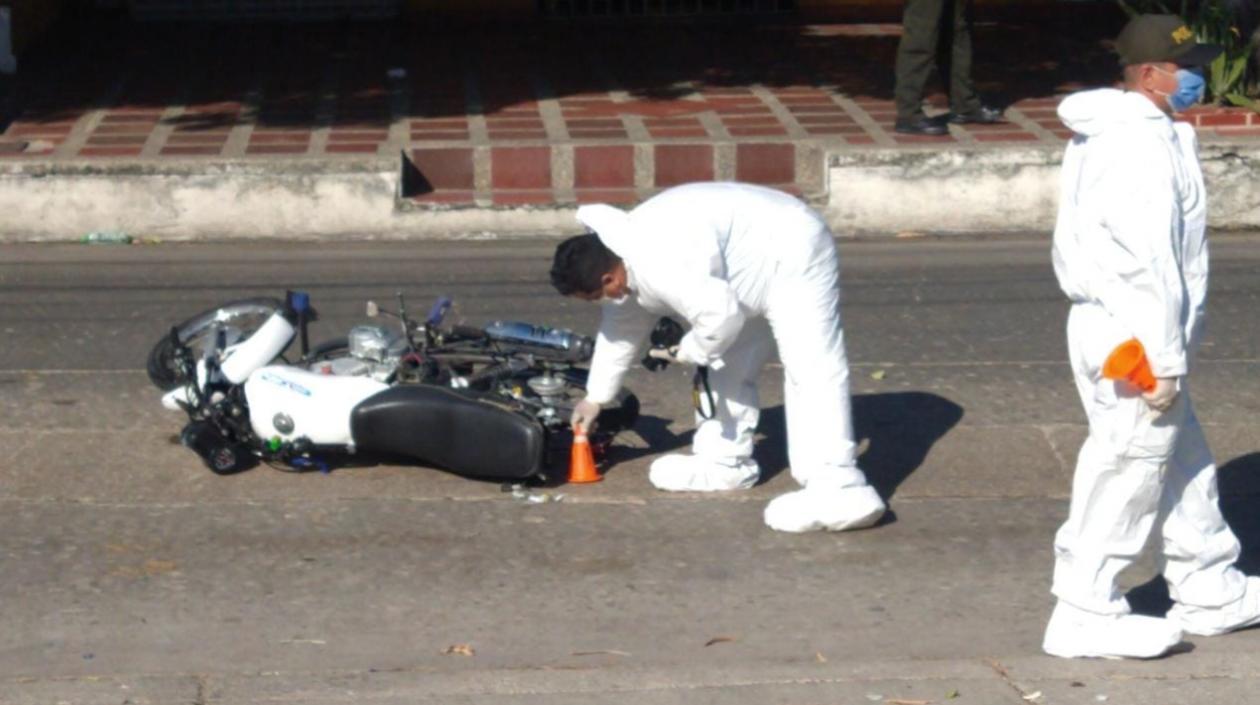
<point x="615" y="302"/>
<point x="1190" y="88"/>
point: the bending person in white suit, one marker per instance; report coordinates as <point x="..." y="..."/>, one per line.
<point x="746" y="267"/>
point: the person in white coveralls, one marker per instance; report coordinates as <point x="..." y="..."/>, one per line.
<point x="1131" y="254"/>
<point x="745" y="267"/>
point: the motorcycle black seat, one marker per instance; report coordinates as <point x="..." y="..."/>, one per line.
<point x="469" y="433"/>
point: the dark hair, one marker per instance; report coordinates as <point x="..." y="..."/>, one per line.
<point x="580" y="264"/>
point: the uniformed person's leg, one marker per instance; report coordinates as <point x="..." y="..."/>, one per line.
<point x="963" y="99"/>
<point x="916" y="55"/>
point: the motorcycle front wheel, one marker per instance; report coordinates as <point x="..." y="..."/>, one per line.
<point x="237" y="319"/>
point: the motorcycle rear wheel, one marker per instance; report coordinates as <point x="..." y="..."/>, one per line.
<point x="240" y="319"/>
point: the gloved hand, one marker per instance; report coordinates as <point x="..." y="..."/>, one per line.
<point x="1161" y="398"/>
<point x="669" y="354"/>
<point x="584" y="415"/>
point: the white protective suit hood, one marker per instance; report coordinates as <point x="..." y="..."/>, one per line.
<point x="612" y="225"/>
<point x="1090" y="113"/>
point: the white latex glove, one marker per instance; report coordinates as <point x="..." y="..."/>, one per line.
<point x="1161" y="398"/>
<point x="584" y="415"/>
<point x="668" y="355"/>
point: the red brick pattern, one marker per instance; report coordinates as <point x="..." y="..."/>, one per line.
<point x="484" y="118"/>
<point x="617" y="197"/>
<point x="682" y="163"/>
<point x="605" y="167"/>
<point x="525" y="197"/>
<point x="454" y="129"/>
<point x="520" y="168"/>
<point x="445" y="169"/>
<point x="770" y="164"/>
<point x="278" y="142"/>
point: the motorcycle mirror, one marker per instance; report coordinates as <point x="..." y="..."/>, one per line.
<point x="373" y="310"/>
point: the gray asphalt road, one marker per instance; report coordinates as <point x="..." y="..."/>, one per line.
<point x="128" y="573"/>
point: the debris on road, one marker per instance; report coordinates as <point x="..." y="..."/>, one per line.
<point x="459" y="650"/>
<point x="818" y="656"/>
<point x="106" y="237"/>
<point x="952" y="695"/>
<point x="720" y="640"/>
<point x="601" y="652"/>
<point x="879" y="374"/>
<point x="520" y="493"/>
<point x="1033" y="697"/>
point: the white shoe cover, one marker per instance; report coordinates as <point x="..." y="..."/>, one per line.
<point x="690" y="473"/>
<point x="816" y="508"/>
<point x="1211" y="621"/>
<point x="1076" y="633"/>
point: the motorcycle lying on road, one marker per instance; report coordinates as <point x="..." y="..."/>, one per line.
<point x="491" y="402"/>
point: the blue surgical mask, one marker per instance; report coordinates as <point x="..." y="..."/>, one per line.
<point x="1190" y="88"/>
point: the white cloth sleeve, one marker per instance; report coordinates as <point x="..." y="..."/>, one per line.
<point x="623" y="330"/>
<point x="1145" y="291"/>
<point x="712" y="308"/>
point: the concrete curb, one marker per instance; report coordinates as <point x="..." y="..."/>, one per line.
<point x="871" y="192"/>
<point x="999" y="190"/>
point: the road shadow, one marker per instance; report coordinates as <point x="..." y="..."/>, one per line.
<point x="1239" y="483"/>
<point x="656" y="438"/>
<point x="896" y="429"/>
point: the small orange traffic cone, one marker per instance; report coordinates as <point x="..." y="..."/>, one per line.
<point x="582" y="459"/>
<point x="1128" y="363"/>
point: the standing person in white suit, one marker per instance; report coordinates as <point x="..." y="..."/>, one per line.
<point x="746" y="267"/>
<point x="1130" y="252"/>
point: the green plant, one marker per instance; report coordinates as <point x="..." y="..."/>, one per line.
<point x="1229" y="76"/>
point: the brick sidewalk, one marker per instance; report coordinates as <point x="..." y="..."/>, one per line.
<point x="540" y="115"/>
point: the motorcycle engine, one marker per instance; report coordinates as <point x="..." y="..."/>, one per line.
<point x="550" y="389"/>
<point x="374" y="351"/>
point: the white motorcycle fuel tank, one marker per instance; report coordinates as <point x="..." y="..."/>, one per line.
<point x="293" y="403"/>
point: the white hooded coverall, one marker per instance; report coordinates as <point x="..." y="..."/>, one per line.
<point x="1130" y="252"/>
<point x="746" y="267"/>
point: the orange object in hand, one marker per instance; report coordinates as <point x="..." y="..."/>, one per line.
<point x="1128" y="363"/>
<point x="582" y="459"/>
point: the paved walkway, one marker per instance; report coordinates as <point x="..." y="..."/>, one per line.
<point x="534" y="115"/>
